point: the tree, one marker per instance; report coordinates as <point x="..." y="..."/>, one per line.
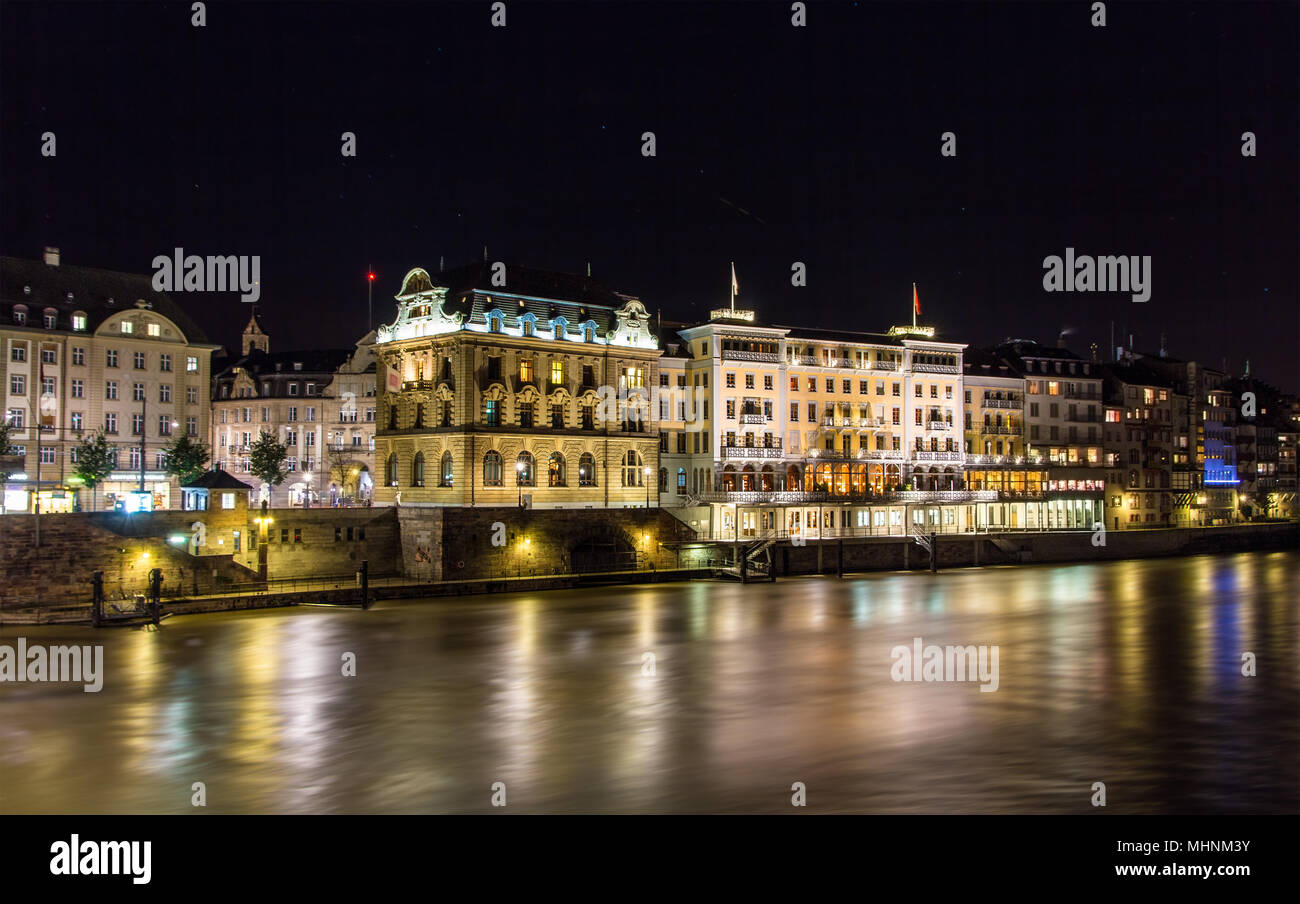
<point x="95" y="460"/>
<point x="187" y="458"/>
<point x="266" y="459"/>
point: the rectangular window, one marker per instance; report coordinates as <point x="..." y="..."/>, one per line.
<point x="14" y="418"/>
<point x="48" y="356"/>
<point x="164" y="393"/>
<point x="110" y="390"/>
<point x="78" y="356"/>
<point x="138" y="360"/>
<point x="110" y="422"/>
<point x="17" y="384"/>
<point x="292" y="414"/>
<point x="18" y="352"/>
<point x="191" y="364"/>
<point x="76" y="421"/>
<point x="47" y="386"/>
<point x="165" y="362"/>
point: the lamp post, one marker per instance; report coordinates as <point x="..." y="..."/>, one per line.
<point x="519" y="481"/>
<point x="306" y="500"/>
<point x="646" y="472"/>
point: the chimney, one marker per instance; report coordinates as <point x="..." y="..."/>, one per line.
<point x="51" y="256"/>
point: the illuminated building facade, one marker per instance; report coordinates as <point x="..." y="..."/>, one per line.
<point x="83" y="349"/>
<point x="511" y="386"/>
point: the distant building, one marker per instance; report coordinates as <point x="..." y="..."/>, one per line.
<point x="320" y="404"/>
<point x="83" y="349"/>
<point x="1141" y="441"/>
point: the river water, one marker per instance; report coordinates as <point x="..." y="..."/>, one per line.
<point x="694" y="697"/>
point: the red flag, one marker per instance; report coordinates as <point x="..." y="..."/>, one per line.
<point x="916" y="300"/>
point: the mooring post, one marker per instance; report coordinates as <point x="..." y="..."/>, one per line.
<point x="155" y="594"/>
<point x="96" y="597"/>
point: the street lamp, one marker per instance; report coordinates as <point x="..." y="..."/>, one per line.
<point x="646" y="472"/>
<point x="519" y="481"/>
<point x="307" y="497"/>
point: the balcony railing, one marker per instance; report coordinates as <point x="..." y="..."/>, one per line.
<point x="936" y="369"/>
<point x="1003" y="403"/>
<point x="884" y="365"/>
<point x="928" y="455"/>
<point x="742" y="452"/>
<point x="761" y="497"/>
<point x="938" y="424"/>
<point x="416" y="384"/>
<point x="752" y="418"/>
<point x="729" y="354"/>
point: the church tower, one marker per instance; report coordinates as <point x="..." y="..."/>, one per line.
<point x="254" y="338"/>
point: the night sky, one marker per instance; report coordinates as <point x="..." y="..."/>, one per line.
<point x="775" y="144"/>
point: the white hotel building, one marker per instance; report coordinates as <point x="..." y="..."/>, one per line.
<point x="811" y="433"/>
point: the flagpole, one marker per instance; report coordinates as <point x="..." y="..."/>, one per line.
<point x="913" y="305"/>
<point x="733" y="287"/>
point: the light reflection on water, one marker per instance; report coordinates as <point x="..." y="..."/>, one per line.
<point x="1124" y="672"/>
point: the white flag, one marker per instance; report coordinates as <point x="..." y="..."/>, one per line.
<point x="735" y="286"/>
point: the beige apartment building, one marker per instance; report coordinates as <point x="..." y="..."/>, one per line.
<point x="83" y="349"/>
<point x="516" y="387"/>
<point x="321" y="404"/>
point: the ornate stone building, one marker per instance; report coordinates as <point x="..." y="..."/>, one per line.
<point x="511" y="386"/>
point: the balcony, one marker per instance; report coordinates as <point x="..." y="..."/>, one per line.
<point x="927" y="455"/>
<point x="838" y="362"/>
<point x="999" y="430"/>
<point x="871" y="423"/>
<point x="936" y="369"/>
<point x="882" y="454"/>
<point x="733" y="453"/>
<point x="938" y="424"/>
<point x="752" y="418"/>
<point x="1002" y="403"/>
<point x="982" y="459"/>
<point x="408" y="385"/>
<point x="944" y="496"/>
<point x="762" y="497"/>
<point x="729" y="354"/>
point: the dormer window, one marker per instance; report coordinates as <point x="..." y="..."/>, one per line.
<point x="528" y="328"/>
<point x="79" y="321"/>
<point x="20" y="314"/>
<point x="127" y="327"/>
<point x="589" y="333"/>
<point x="50" y="318"/>
<point x="153" y="329"/>
<point x="494" y="323"/>
<point x="297" y="365"/>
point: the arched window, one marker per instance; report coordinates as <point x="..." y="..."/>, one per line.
<point x="586" y="470"/>
<point x="681" y="481"/>
<point x="492" y="468"/>
<point x="631" y="469"/>
<point x="525" y="475"/>
<point x="663" y="480"/>
<point x="589" y="333"/>
<point x="390" y="470"/>
<point x="445" y="470"/>
<point x="417" y="470"/>
<point x="556" y="473"/>
<point x="494" y="323"/>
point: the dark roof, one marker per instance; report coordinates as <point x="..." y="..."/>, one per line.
<point x="216" y="479"/>
<point x="91" y="290"/>
<point x="316" y="362"/>
<point x="983" y="362"/>
<point x="548" y="294"/>
<point x="1028" y="348"/>
<point x="1138" y="373"/>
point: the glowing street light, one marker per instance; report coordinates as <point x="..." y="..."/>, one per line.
<point x="646" y="472"/>
<point x="519" y="481"/>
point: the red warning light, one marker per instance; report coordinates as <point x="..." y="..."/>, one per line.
<point x="371" y="277"/>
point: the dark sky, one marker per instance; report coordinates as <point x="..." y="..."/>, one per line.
<point x="775" y="144"/>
